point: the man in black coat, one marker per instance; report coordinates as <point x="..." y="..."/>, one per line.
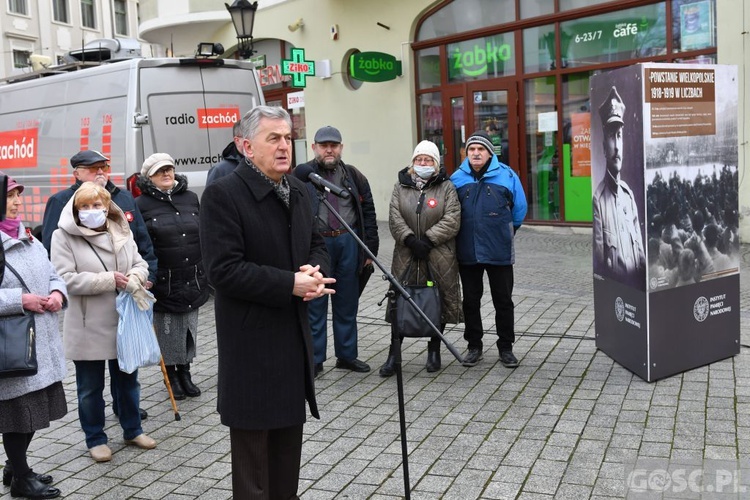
<point x="265" y="260"/>
<point x="230" y="157"/>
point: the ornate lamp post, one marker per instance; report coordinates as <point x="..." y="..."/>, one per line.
<point x="243" y="18"/>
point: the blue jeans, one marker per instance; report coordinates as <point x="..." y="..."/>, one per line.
<point x="90" y="387"/>
<point x="344" y="253"/>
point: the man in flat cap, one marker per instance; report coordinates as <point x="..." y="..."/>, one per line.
<point x="347" y="258"/>
<point x="493" y="206"/>
<point x="92" y="166"/>
<point x="618" y="244"/>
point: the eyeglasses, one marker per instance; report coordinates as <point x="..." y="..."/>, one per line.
<point x="424" y="160"/>
<point x="95" y="168"/>
<point x="165" y="170"/>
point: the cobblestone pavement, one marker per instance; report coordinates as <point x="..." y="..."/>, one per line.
<point x="562" y="425"/>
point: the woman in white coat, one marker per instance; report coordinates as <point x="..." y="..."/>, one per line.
<point x="94" y="252"/>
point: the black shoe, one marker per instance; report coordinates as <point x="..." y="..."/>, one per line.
<point x="388" y="368"/>
<point x="354" y="365"/>
<point x="188" y="387"/>
<point x="143" y="413"/>
<point x="508" y="359"/>
<point x="177" y="391"/>
<point x="473" y="356"/>
<point x="433" y="361"/>
<point x="318" y="369"/>
<point x="31" y="487"/>
<point x="8" y="475"/>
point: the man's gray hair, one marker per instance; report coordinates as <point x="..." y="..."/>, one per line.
<point x="250" y="123"/>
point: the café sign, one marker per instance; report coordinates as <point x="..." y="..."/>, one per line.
<point x="374" y="67"/>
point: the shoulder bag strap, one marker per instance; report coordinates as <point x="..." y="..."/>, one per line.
<point x="23" y="283"/>
<point x="96" y="253"/>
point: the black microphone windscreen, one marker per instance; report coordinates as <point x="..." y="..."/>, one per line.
<point x="302" y="172"/>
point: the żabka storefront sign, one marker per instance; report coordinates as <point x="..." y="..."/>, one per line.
<point x="374" y="67"/>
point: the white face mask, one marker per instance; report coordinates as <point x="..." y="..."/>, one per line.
<point x="424" y="172"/>
<point x="93" y="219"/>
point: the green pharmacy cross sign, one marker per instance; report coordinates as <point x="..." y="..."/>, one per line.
<point x="298" y="68"/>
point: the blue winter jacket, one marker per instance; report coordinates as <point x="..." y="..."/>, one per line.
<point x="492" y="209"/>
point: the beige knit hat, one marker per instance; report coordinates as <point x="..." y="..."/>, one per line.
<point x="154" y="162"/>
<point x="427" y="148"/>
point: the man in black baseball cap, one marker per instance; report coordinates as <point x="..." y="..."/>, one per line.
<point x="347" y="260"/>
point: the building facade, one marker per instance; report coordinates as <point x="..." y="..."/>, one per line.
<point x="518" y="69"/>
<point x="38" y="33"/>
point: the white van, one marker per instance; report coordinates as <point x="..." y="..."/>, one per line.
<point x="127" y="110"/>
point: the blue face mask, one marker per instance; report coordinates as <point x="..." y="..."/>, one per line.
<point x="424" y="172"/>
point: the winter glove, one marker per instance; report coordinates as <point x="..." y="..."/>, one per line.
<point x="422" y="249"/>
<point x="410" y="241"/>
<point x="143" y="298"/>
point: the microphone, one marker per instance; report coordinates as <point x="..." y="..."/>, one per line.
<point x="305" y="173"/>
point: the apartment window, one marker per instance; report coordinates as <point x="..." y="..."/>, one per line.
<point x="21" y="59"/>
<point x="18" y="7"/>
<point x="87" y="14"/>
<point x="121" y="17"/>
<point x="60" y="11"/>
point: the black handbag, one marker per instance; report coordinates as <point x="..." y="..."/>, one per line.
<point x="17" y="342"/>
<point x="409" y="323"/>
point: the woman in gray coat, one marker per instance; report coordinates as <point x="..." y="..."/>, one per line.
<point x="424" y="218"/>
<point x="30" y="403"/>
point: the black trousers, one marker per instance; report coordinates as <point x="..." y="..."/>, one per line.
<point x="501" y="288"/>
<point x="265" y="463"/>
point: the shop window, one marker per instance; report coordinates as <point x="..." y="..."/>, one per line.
<point x="579" y="4"/>
<point x="431" y="120"/>
<point x="539" y="48"/>
<point x="534" y="8"/>
<point x="542" y="159"/>
<point x="465" y="15"/>
<point x="576" y="149"/>
<point x="428" y="68"/>
<point x="694" y="25"/>
<point x="705" y="59"/>
<point x="481" y="58"/>
<point x="615" y="36"/>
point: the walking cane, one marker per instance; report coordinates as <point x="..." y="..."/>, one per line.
<point x="169" y="390"/>
<point x="169" y="386"/>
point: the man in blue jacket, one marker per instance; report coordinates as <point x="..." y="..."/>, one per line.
<point x="493" y="206"/>
<point x="90" y="165"/>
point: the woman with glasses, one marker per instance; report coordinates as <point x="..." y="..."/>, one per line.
<point x="424" y="218"/>
<point x="171" y="213"/>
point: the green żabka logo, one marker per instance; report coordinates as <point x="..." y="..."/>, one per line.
<point x="374" y="67"/>
<point x="474" y="63"/>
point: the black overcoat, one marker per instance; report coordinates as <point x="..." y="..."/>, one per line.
<point x="252" y="246"/>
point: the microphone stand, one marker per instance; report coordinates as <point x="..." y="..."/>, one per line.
<point x="395" y="290"/>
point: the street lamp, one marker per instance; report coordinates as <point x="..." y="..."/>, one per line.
<point x="243" y="17"/>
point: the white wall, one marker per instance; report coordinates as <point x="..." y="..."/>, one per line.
<point x="376" y="121"/>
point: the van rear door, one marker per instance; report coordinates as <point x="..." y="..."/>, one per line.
<point x="191" y="109"/>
